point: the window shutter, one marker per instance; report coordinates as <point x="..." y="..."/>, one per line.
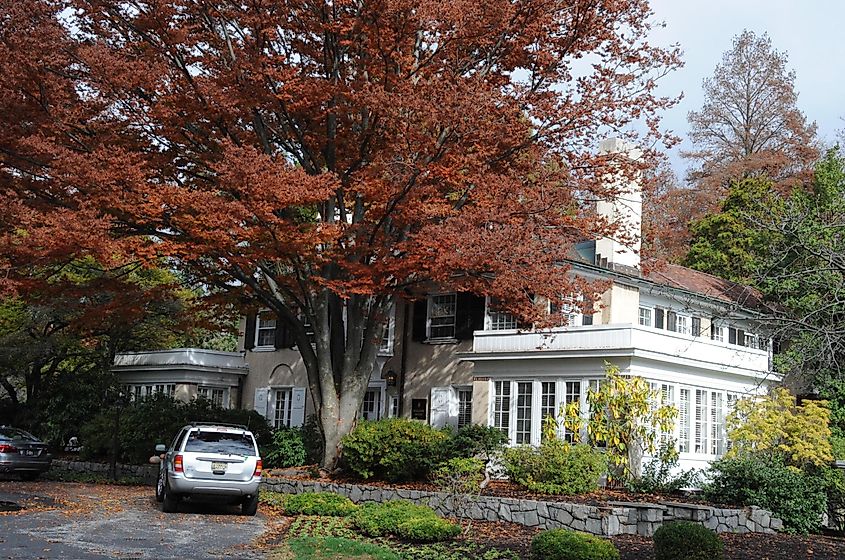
<point x="731" y="335"/>
<point x="696" y="326"/>
<point x="249" y="331"/>
<point x="261" y="404"/>
<point x="658" y="318"/>
<point x="672" y="321"/>
<point x="469" y="315"/>
<point x="713" y="328"/>
<point x="740" y="337"/>
<point x="297" y="411"/>
<point x="420" y="318"/>
<point x="587" y="320"/>
<point x="282" y="335"/>
<point x="440" y="401"/>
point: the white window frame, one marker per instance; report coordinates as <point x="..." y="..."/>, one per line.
<point x="645" y="317"/>
<point x="464" y="406"/>
<point x="718" y="332"/>
<point x="387" y="339"/>
<point x="497" y="320"/>
<point x="259" y="329"/>
<point x="282" y="420"/>
<point x="210" y="390"/>
<point x="428" y="320"/>
<point x="686" y="321"/>
<point x="572" y="312"/>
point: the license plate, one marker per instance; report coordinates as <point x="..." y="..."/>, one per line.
<point x="218" y="467"/>
<point x="28" y="452"/>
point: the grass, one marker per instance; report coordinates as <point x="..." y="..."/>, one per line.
<point x="335" y="548"/>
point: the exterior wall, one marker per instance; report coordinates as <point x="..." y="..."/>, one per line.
<point x="619" y="304"/>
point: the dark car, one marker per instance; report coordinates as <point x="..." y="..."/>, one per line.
<point x="23" y="453"/>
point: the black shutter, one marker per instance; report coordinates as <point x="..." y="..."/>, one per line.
<point x="696" y="326"/>
<point x="731" y="335"/>
<point x="469" y="315"/>
<point x="713" y="328"/>
<point x="658" y="318"/>
<point x="249" y="331"/>
<point x="587" y="320"/>
<point x="420" y="319"/>
<point x="672" y="321"/>
<point x="284" y="335"/>
<point x="740" y="337"/>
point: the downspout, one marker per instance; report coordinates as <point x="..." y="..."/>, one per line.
<point x="403" y="359"/>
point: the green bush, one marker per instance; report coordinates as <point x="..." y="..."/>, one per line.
<point x="796" y="497"/>
<point x="427" y="529"/>
<point x="555" y="467"/>
<point x="657" y="474"/>
<point x="157" y="419"/>
<point x="286" y="449"/>
<point x="393" y="449"/>
<point x="561" y="544"/>
<point x="312" y="438"/>
<point x="684" y="540"/>
<point x="312" y="503"/>
<point x="476" y="440"/>
<point x="403" y="519"/>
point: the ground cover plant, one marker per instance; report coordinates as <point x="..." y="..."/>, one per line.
<point x="405" y="520"/>
<point x="318" y="503"/>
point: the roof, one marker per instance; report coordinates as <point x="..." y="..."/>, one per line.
<point x="695" y="281"/>
<point x="194" y="358"/>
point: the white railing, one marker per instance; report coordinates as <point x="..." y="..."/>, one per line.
<point x="623" y="339"/>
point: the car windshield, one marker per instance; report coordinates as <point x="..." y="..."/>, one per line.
<point x="225" y="443"/>
<point x="14" y="433"/>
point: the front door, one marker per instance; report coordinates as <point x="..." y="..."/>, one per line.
<point x="371" y="407"/>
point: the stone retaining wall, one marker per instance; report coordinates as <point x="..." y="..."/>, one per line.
<point x="147" y="473"/>
<point x="615" y="518"/>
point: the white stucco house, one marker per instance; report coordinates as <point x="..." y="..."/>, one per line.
<point x="451" y="359"/>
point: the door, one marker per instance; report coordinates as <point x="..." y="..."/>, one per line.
<point x="371" y="407"/>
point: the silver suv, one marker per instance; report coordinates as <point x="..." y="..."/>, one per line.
<point x="205" y="459"/>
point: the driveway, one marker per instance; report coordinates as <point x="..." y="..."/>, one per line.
<point x="86" y="521"/>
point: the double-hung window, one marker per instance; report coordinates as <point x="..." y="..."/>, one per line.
<point x="386" y="344"/>
<point x="645" y="317"/>
<point x="441" y="316"/>
<point x="265" y="330"/>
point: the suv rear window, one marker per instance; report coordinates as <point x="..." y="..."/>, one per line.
<point x="16" y="434"/>
<point x="220" y="442"/>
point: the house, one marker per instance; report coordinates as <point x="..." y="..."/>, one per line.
<point x="452" y="358"/>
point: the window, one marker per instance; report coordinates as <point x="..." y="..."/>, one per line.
<point x="464" y="407"/>
<point x="502" y="406"/>
<point x="168" y="390"/>
<point x="265" y="329"/>
<point x="548" y="404"/>
<point x="499" y="320"/>
<point x="665" y="396"/>
<point x="386" y="345"/>
<point x="282" y="408"/>
<point x="200" y="441"/>
<point x="216" y="395"/>
<point x="573" y="394"/>
<point x="568" y="313"/>
<point x="645" y="316"/>
<point x="684" y="417"/>
<point x="138" y="392"/>
<point x="700" y="421"/>
<point x="441" y="316"/>
<point x="682" y="324"/>
<point x="717" y="422"/>
<point x="523" y="412"/>
<point x="371" y="405"/>
<point x="752" y="341"/>
<point x="730" y="404"/>
<point x="717" y="332"/>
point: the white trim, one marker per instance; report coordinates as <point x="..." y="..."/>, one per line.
<point x="264" y="347"/>
<point x="390" y="330"/>
<point x="429" y="304"/>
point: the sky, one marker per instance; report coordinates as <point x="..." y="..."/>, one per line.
<point x="809" y="31"/>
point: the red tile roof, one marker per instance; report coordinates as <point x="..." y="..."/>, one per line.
<point x="681" y="277"/>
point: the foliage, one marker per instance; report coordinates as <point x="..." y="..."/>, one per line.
<point x="318" y="503"/>
<point x="337" y="548"/>
<point x="624" y="420"/>
<point x="477" y="440"/>
<point x="460" y="479"/>
<point x="325" y="182"/>
<point x="796" y="497"/>
<point x="286" y="449"/>
<point x="312" y="438"/>
<point x="837" y="448"/>
<point x="555" y="467"/>
<point x="658" y="477"/>
<point x="403" y="519"/>
<point x="684" y="540"/>
<point x="562" y="544"/>
<point x="834" y="484"/>
<point x="776" y="425"/>
<point x="157" y="419"/>
<point x="393" y="449"/>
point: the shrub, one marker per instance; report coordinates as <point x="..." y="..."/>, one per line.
<point x="312" y="503"/>
<point x="393" y="449"/>
<point x="427" y="529"/>
<point x="312" y="438"/>
<point x="684" y="540"/>
<point x="796" y="497"/>
<point x="403" y="519"/>
<point x="555" y="467"/>
<point x="657" y="475"/>
<point x="286" y="449"/>
<point x="157" y="419"/>
<point x="561" y="544"/>
<point x="476" y="440"/>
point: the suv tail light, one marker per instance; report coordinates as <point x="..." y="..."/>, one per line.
<point x="177" y="464"/>
<point x="258" y="467"/>
<point x="6" y="448"/>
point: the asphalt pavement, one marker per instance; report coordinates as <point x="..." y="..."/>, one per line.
<point x="92" y="522"/>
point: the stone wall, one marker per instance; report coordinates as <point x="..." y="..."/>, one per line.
<point x="147" y="473"/>
<point x="614" y="518"/>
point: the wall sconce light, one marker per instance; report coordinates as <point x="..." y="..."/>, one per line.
<point x="391" y="378"/>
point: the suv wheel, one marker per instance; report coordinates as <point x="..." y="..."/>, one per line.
<point x="169" y="501"/>
<point x="160" y="485"/>
<point x="249" y="506"/>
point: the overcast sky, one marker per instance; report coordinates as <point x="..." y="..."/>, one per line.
<point x="811" y="32"/>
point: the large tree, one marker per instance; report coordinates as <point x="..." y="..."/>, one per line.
<point x="323" y="158"/>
